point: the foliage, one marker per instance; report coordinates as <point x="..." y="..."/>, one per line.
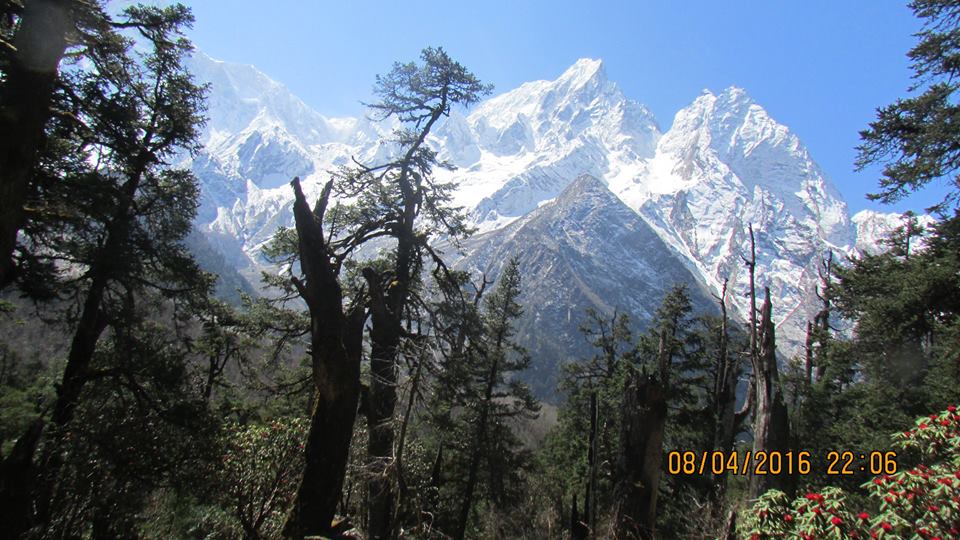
<point x="257" y="476"/>
<point x="921" y="500"/>
<point x="139" y="427"/>
<point x="477" y="404"/>
<point x="691" y="349"/>
<point x="916" y="138"/>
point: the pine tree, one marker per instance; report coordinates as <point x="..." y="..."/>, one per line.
<point x="916" y="138"/>
<point x="399" y="201"/>
<point x="478" y="396"/>
<point x="411" y="208"/>
<point x="29" y="64"/>
<point x="115" y="242"/>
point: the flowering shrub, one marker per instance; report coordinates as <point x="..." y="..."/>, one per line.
<point x="918" y="503"/>
<point x="258" y="477"/>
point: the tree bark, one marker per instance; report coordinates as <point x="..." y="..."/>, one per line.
<point x="728" y="374"/>
<point x="336" y="346"/>
<point x="590" y="501"/>
<point x="25" y="97"/>
<point x="771" y="428"/>
<point x="385" y="334"/>
<point x="641" y="439"/>
<point x="578" y="529"/>
<point x="643" y="420"/>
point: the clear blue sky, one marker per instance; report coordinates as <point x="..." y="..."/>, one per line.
<point x="820" y="67"/>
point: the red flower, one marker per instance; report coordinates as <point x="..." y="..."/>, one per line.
<point x="951" y="408"/>
<point x="863" y="515"/>
<point x="933" y="508"/>
<point x="816" y="510"/>
<point x="788" y="518"/>
<point x="923" y="426"/>
<point x="946" y="481"/>
<point x="815" y="497"/>
<point x="933" y="417"/>
<point x="886" y="526"/>
<point x="836" y="521"/>
<point x="878" y="481"/>
<point x="754" y="536"/>
<point x="944" y="422"/>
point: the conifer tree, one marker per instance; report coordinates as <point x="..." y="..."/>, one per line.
<point x="410" y="208"/>
<point x="400" y="202"/>
<point x="122" y="211"/>
<point x="478" y="395"/>
<point x="29" y="62"/>
<point x="916" y="139"/>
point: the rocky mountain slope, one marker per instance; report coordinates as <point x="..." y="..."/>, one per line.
<point x="585" y="248"/>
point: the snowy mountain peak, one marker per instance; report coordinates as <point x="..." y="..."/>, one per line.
<point x="582" y="72"/>
<point x="729" y="122"/>
<point x="243" y="98"/>
<point x="573" y="150"/>
<point x="874" y="229"/>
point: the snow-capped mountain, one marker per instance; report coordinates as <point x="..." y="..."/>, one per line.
<point x="585" y="248"/>
<point x="723" y="164"/>
<point x="874" y="229"/>
<point x="726" y="164"/>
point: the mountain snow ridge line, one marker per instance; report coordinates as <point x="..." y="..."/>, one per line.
<point x="723" y="164"/>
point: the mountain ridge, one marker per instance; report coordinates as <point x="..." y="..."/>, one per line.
<point x="723" y="164"/>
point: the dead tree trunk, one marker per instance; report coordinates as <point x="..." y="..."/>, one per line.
<point x="821" y="322"/>
<point x="771" y="428"/>
<point x="25" y="96"/>
<point x="748" y="404"/>
<point x="336" y="338"/>
<point x="725" y="395"/>
<point x="643" y="420"/>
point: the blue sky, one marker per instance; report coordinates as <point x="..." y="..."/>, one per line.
<point x="820" y="67"/>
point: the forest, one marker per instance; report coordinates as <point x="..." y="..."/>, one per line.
<point x="376" y="391"/>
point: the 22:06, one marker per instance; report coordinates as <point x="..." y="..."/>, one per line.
<point x="847" y="463"/>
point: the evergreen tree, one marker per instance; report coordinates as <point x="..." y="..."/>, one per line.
<point x="411" y="208"/>
<point x="35" y="40"/>
<point x="115" y="240"/>
<point x="593" y="385"/>
<point x="667" y="369"/>
<point x="917" y="138"/>
<point x="401" y="202"/>
<point x="477" y="397"/>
